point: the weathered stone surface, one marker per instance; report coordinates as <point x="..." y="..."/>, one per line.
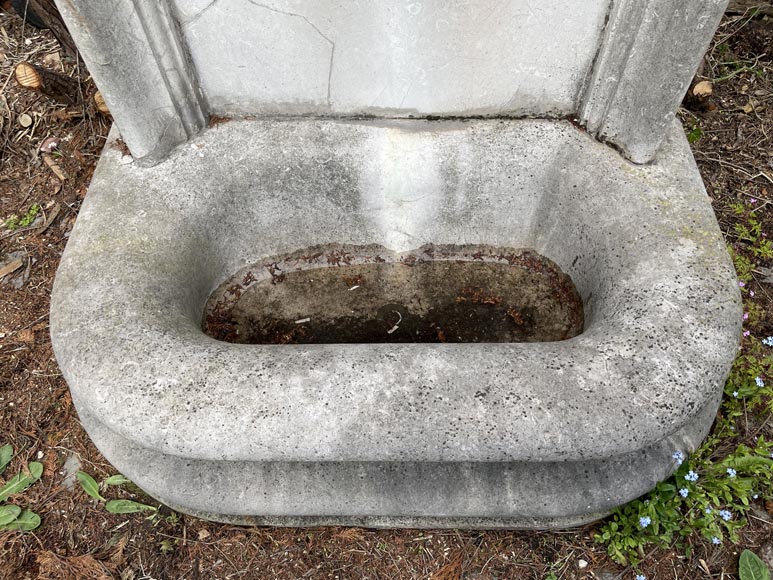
<point x="620" y="66"/>
<point x="388" y="434"/>
<point x="392" y="58"/>
<point x="648" y="56"/>
<point x="139" y="62"/>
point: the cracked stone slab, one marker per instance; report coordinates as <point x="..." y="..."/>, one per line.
<point x="346" y="433"/>
<point x="422" y="57"/>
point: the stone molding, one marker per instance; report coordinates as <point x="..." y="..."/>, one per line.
<point x="138" y="60"/>
<point x="649" y="52"/>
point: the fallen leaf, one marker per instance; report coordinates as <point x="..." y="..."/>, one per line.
<point x="767" y="272"/>
<point x="10" y="268"/>
<point x="49" y="218"/>
<point x="99" y="100"/>
<point x="54" y="166"/>
<point x="26" y="335"/>
<point x="53" y="60"/>
<point x="203" y="534"/>
<point x="703" y="89"/>
<point x="748" y="108"/>
<point x="66" y="114"/>
<point x="705" y="566"/>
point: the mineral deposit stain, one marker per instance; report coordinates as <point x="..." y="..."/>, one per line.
<point x="367" y="294"/>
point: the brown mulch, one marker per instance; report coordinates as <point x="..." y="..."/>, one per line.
<point x="79" y="539"/>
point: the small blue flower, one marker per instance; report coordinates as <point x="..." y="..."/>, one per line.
<point x="716" y="540"/>
<point x="644" y="521"/>
<point x="678" y="456"/>
<point x="725" y="515"/>
<point x="730" y="472"/>
<point x="691" y="476"/>
<point x="768" y="341"/>
<point x="707" y="510"/>
<point x="735" y="394"/>
<point x="641" y="577"/>
<point x="741" y="283"/>
<point x="760" y="382"/>
<point x="684" y="492"/>
<point x="755" y="496"/>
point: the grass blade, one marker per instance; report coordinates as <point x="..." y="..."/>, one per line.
<point x="126" y="506"/>
<point x="89" y="485"/>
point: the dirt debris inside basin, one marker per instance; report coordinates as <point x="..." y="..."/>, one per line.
<point x="339" y="294"/>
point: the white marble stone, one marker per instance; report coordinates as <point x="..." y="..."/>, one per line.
<point x="392" y="58"/>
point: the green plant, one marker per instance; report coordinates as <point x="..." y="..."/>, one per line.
<point x="710" y="492"/>
<point x="704" y="497"/>
<point x="695" y="133"/>
<point x="6" y="454"/>
<point x="750" y="567"/>
<point x="13" y="517"/>
<point x="168" y="545"/>
<point x="15" y="222"/>
<point x="114" y="506"/>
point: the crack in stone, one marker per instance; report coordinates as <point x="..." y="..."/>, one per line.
<point x="317" y="30"/>
<point x="199" y="14"/>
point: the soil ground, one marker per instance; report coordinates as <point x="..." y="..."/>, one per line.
<point x="78" y="538"/>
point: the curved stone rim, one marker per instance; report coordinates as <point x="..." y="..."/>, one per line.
<point x="125" y="322"/>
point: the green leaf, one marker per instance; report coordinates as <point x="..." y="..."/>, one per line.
<point x="750" y="567"/>
<point x="8" y="513"/>
<point x="35" y="469"/>
<point x="21" y="481"/>
<point x="126" y="506"/>
<point x="27" y="521"/>
<point x="116" y="480"/>
<point x="89" y="485"/>
<point x="6" y="453"/>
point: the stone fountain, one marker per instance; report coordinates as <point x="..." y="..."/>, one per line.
<point x="395" y="263"/>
